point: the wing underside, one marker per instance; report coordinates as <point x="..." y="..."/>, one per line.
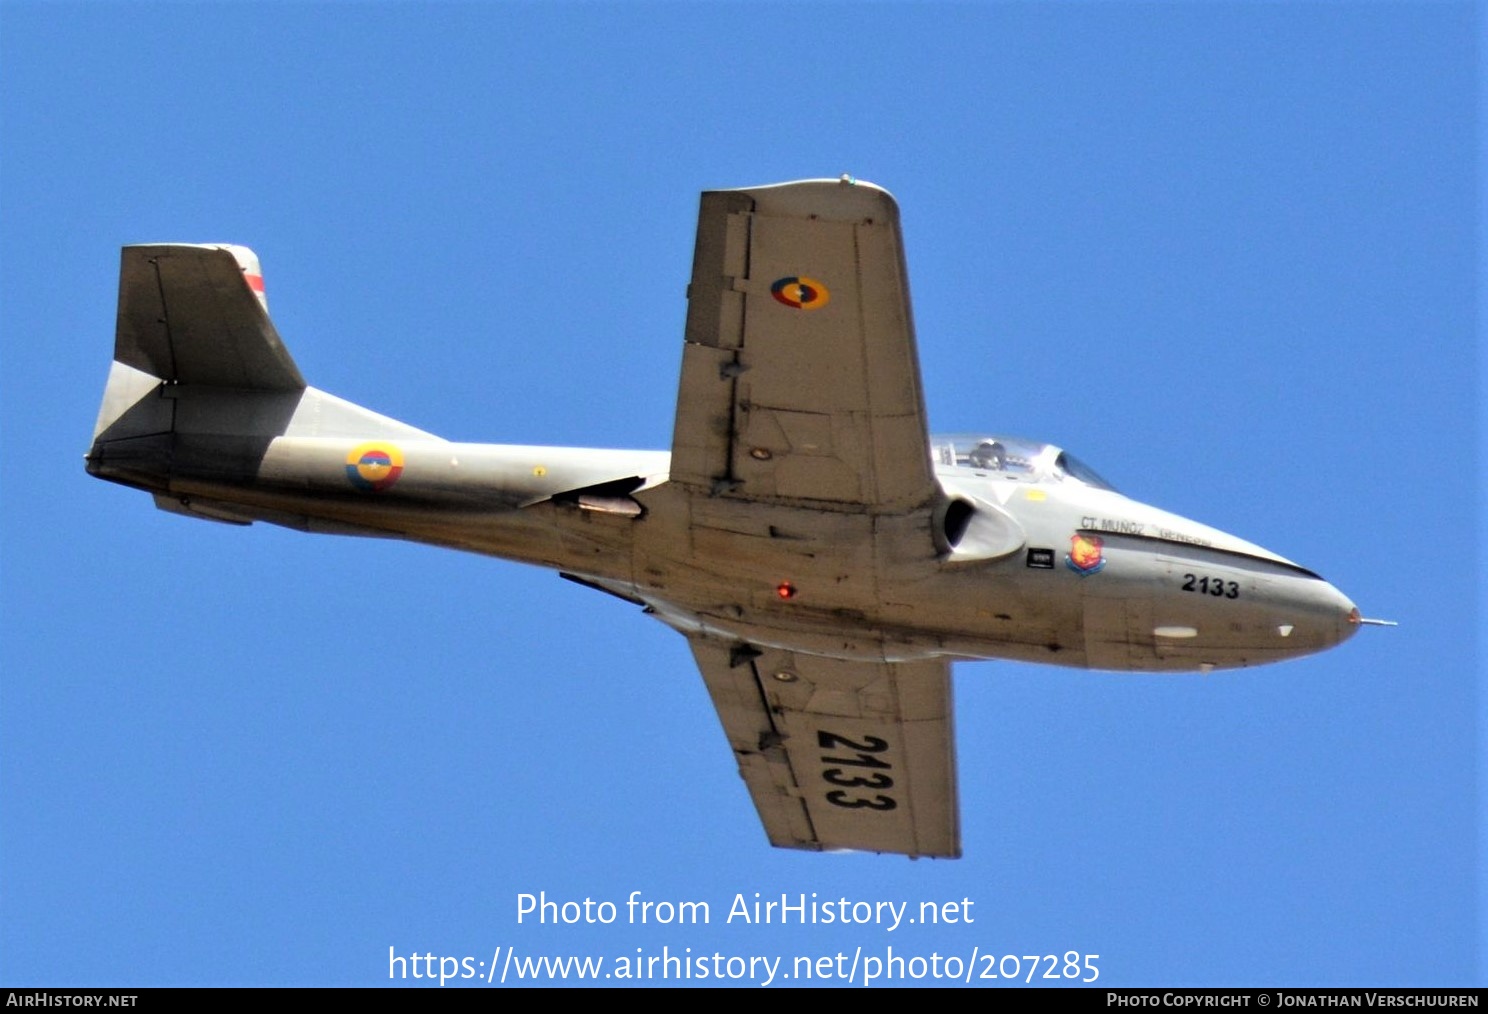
<point x="839" y="754"/>
<point x="800" y="445"/>
<point x="800" y="380"/>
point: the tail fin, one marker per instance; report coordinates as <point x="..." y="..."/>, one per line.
<point x="201" y="383"/>
<point x="197" y="315"/>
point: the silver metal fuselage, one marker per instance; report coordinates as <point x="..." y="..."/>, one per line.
<point x="1056" y="571"/>
<point x="825" y="556"/>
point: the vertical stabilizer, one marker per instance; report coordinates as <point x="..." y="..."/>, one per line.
<point x="193" y="314"/>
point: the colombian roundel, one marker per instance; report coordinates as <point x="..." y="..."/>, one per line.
<point x="374" y="467"/>
<point x="800" y="293"/>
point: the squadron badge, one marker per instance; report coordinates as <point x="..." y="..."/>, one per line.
<point x="1084" y="557"/>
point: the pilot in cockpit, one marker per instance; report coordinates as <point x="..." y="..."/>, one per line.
<point x="988" y="454"/>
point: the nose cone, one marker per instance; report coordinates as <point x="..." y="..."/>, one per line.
<point x="1313" y="615"/>
<point x="1346" y="614"/>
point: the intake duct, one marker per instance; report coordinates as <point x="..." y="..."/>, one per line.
<point x="968" y="528"/>
<point x="955" y="521"/>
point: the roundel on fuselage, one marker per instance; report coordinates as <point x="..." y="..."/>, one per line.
<point x="374" y="467"/>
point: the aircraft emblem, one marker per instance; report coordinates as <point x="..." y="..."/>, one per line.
<point x="374" y="467"/>
<point x="800" y="293"/>
<point x="1085" y="555"/>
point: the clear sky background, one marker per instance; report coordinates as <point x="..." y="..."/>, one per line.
<point x="1222" y="252"/>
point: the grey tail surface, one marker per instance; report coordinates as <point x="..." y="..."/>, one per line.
<point x="196" y="315"/>
<point x="201" y="383"/>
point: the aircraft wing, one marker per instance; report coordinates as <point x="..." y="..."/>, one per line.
<point x="800" y="379"/>
<point x="839" y="754"/>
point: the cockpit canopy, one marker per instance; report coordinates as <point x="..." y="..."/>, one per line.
<point x="1010" y="458"/>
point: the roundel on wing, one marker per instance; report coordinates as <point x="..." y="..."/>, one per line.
<point x="800" y="293"/>
<point x="374" y="467"/>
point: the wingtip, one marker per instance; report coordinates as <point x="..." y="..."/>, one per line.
<point x="845" y="198"/>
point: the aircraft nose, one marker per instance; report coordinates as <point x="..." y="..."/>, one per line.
<point x="1338" y="616"/>
<point x="1347" y="614"/>
<point x="1312" y="615"/>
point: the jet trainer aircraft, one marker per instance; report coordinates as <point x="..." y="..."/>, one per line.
<point x="825" y="557"/>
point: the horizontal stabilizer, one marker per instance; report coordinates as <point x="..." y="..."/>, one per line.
<point x="206" y="511"/>
<point x="191" y="315"/>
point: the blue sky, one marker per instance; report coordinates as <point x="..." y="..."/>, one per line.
<point x="1223" y="252"/>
